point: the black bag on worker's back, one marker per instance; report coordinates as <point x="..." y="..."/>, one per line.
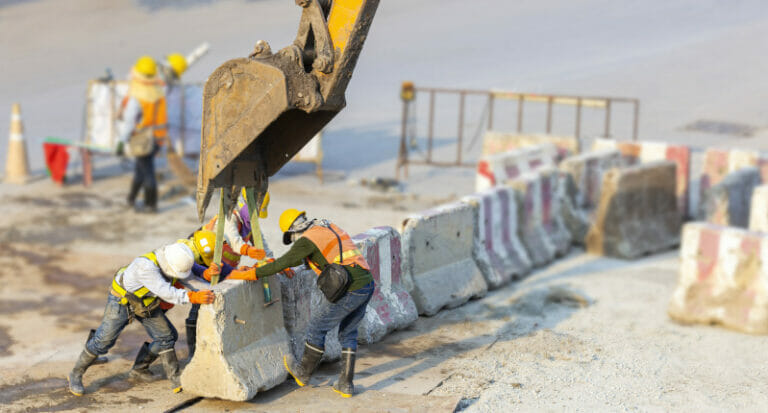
<point x="334" y="280"/>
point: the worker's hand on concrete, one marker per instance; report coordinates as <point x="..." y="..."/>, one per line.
<point x="248" y="275"/>
<point x="211" y="271"/>
<point x="289" y="272"/>
<point x="201" y="297"/>
<point x="253" y="252"/>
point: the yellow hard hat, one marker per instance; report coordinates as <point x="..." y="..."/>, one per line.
<point x="178" y="63"/>
<point x="287" y="218"/>
<point x="146" y="66"/>
<point x="204" y="242"/>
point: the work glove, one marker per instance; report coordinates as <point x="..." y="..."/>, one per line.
<point x="248" y="274"/>
<point x="211" y="271"/>
<point x="289" y="272"/>
<point x="253" y="252"/>
<point x="201" y="297"/>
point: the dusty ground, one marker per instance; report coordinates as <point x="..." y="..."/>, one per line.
<point x="584" y="334"/>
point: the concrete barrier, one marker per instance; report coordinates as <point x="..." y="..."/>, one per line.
<point x="574" y="218"/>
<point x="634" y="152"/>
<point x="391" y="306"/>
<point x="240" y="344"/>
<point x="758" y="210"/>
<point x="497" y="250"/>
<point x="531" y="229"/>
<point x="496" y="142"/>
<point x="723" y="278"/>
<point x="437" y="251"/>
<point x="638" y="212"/>
<point x="718" y="163"/>
<point x="494" y="170"/>
<point x="587" y="172"/>
<point x="727" y="202"/>
<point x="300" y="299"/>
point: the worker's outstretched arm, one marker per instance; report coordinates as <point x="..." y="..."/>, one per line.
<point x="301" y="249"/>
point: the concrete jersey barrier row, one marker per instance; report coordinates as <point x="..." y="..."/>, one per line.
<point x="391" y="306"/>
<point x="587" y="172"/>
<point x="437" y="251"/>
<point x="495" y="170"/>
<point x="638" y="212"/>
<point x="728" y="202"/>
<point x="723" y="278"/>
<point x="497" y="250"/>
<point x="496" y="142"/>
<point x="758" y="211"/>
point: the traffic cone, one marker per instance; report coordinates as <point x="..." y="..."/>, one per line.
<point x="17" y="165"/>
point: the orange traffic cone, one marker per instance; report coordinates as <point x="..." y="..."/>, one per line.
<point x="17" y="165"/>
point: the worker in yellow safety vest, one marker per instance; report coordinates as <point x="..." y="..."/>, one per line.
<point x="344" y="279"/>
<point x="136" y="292"/>
<point x="143" y="128"/>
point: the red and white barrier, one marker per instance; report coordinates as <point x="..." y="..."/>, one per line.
<point x="587" y="172"/>
<point x="391" y="306"/>
<point x="495" y="170"/>
<point x="497" y="251"/>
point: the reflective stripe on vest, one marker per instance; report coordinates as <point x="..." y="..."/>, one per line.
<point x="141" y="292"/>
<point x="328" y="244"/>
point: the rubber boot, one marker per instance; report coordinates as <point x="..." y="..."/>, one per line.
<point x="344" y="385"/>
<point x="171" y="367"/>
<point x="140" y="370"/>
<point x="309" y="362"/>
<point x="75" y="377"/>
<point x="133" y="193"/>
<point x="150" y="199"/>
<point x="191" y="338"/>
<point x="100" y="359"/>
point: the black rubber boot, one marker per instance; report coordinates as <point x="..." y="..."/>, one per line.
<point x="75" y="377"/>
<point x="133" y="193"/>
<point x="150" y="199"/>
<point x="191" y="338"/>
<point x="171" y="367"/>
<point x="140" y="370"/>
<point x="344" y="385"/>
<point x="309" y="362"/>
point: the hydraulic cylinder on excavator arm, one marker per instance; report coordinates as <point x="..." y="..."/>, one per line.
<point x="260" y="110"/>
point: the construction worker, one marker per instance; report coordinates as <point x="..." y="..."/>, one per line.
<point x="142" y="113"/>
<point x="318" y="242"/>
<point x="135" y="294"/>
<point x="175" y="66"/>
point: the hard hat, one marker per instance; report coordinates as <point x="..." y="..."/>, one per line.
<point x="175" y="260"/>
<point x="204" y="242"/>
<point x="287" y="218"/>
<point x="146" y="66"/>
<point x="178" y="63"/>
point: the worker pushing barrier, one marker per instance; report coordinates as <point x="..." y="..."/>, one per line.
<point x="136" y="292"/>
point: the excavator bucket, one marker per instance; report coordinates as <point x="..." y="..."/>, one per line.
<point x="259" y="111"/>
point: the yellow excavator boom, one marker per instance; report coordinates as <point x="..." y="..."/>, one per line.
<point x="260" y="110"/>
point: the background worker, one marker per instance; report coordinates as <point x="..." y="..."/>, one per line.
<point x="143" y="128"/>
<point x="317" y="242"/>
<point x="175" y="66"/>
<point x="135" y="294"/>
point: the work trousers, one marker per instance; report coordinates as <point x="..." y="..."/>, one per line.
<point x="347" y="313"/>
<point x="115" y="319"/>
<point x="144" y="176"/>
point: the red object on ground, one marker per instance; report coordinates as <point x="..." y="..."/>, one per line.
<point x="56" y="159"/>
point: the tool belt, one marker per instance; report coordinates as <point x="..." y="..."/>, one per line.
<point x="138" y="306"/>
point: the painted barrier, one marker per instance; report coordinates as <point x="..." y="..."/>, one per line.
<point x="718" y="163"/>
<point x="574" y="218"/>
<point x="638" y="212"/>
<point x="587" y="172"/>
<point x="495" y="170"/>
<point x="634" y="152"/>
<point x="437" y="250"/>
<point x="240" y="343"/>
<point x="498" y="251"/>
<point x="391" y="306"/>
<point x="723" y="278"/>
<point x="497" y="142"/>
<point x="758" y="210"/>
<point x="728" y="202"/>
<point x="535" y="206"/>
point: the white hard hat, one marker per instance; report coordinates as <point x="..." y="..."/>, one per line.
<point x="175" y="260"/>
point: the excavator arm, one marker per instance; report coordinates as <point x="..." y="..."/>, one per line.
<point x="260" y="110"/>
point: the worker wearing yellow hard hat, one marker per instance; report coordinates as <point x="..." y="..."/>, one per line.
<point x="344" y="279"/>
<point x="142" y="128"/>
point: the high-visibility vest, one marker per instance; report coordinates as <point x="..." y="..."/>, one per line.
<point x="325" y="240"/>
<point x="141" y="292"/>
<point x="153" y="115"/>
